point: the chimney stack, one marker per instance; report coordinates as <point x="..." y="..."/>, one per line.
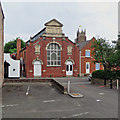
<point x="18" y="48"/>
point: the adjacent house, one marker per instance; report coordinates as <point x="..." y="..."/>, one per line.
<point x="85" y="53"/>
<point x="11" y="67"/>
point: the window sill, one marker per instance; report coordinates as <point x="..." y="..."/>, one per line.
<point x="53" y="65"/>
<point x="37" y="52"/>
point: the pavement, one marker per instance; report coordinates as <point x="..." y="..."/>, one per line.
<point x="41" y="100"/>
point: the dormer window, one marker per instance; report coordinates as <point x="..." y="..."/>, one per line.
<point x="87" y="53"/>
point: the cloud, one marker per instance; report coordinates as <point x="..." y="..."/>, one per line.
<point x="59" y="1"/>
<point x="26" y="19"/>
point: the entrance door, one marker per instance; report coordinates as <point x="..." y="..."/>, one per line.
<point x="6" y="69"/>
<point x="69" y="68"/>
<point x="87" y="67"/>
<point x="37" y="68"/>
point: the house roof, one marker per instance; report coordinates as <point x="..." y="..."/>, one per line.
<point x="53" y="20"/>
<point x="36" y="36"/>
<point x="82" y="44"/>
<point x="2" y="10"/>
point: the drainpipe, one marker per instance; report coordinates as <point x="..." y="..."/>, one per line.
<point x="80" y="63"/>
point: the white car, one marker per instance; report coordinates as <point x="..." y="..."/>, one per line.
<point x="90" y="77"/>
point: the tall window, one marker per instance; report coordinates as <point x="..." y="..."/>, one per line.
<point x="87" y="53"/>
<point x="97" y="66"/>
<point x="53" y="55"/>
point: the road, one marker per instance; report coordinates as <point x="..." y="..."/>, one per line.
<point x="45" y="101"/>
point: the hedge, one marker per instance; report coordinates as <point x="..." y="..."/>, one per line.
<point x="106" y="74"/>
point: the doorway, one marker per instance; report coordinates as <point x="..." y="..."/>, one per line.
<point x="6" y="69"/>
<point x="69" y="68"/>
<point x="87" y="67"/>
<point x="37" y="68"/>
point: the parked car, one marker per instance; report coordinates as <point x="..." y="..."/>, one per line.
<point x="90" y="77"/>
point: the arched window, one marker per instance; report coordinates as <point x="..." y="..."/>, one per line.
<point x="37" y="49"/>
<point x="53" y="55"/>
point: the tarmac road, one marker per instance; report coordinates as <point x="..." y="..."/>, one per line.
<point x="45" y="101"/>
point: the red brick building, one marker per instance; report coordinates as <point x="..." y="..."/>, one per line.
<point x="1" y="45"/>
<point x="85" y="52"/>
<point x="49" y="53"/>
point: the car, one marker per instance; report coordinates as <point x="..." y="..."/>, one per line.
<point x="90" y="77"/>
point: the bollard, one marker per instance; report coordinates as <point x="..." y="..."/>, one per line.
<point x="105" y="81"/>
<point x="110" y="83"/>
<point x="117" y="84"/>
<point x="68" y="86"/>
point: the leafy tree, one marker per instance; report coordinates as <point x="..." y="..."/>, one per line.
<point x="115" y="57"/>
<point x="102" y="51"/>
<point x="11" y="46"/>
<point x="12" y="50"/>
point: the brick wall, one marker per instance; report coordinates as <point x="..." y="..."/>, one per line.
<point x="89" y="59"/>
<point x="58" y="71"/>
<point x="18" y="48"/>
<point x="1" y="46"/>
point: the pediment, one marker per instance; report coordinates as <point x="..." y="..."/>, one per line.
<point x="54" y="22"/>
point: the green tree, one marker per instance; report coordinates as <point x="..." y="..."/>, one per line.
<point x="102" y="51"/>
<point x="115" y="57"/>
<point x="11" y="46"/>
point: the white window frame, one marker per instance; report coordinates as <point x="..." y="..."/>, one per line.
<point x="50" y="51"/>
<point x="87" y="51"/>
<point x="96" y="66"/>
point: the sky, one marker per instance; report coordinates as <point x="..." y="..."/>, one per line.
<point x="25" y="19"/>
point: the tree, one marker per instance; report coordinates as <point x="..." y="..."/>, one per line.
<point x="11" y="46"/>
<point x="102" y="51"/>
<point x="115" y="57"/>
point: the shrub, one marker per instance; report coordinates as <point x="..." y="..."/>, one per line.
<point x="98" y="74"/>
<point x="117" y="74"/>
<point x="106" y="74"/>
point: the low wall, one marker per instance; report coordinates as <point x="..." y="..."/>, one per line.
<point x="98" y="81"/>
<point x="59" y="86"/>
<point x="25" y="80"/>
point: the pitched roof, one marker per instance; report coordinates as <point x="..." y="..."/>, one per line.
<point x="82" y="44"/>
<point x="54" y="20"/>
<point x="2" y="10"/>
<point x="36" y="36"/>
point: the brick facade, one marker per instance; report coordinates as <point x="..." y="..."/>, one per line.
<point x="18" y="48"/>
<point x="51" y="34"/>
<point x="85" y="45"/>
<point x="90" y="59"/>
<point x="1" y="45"/>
